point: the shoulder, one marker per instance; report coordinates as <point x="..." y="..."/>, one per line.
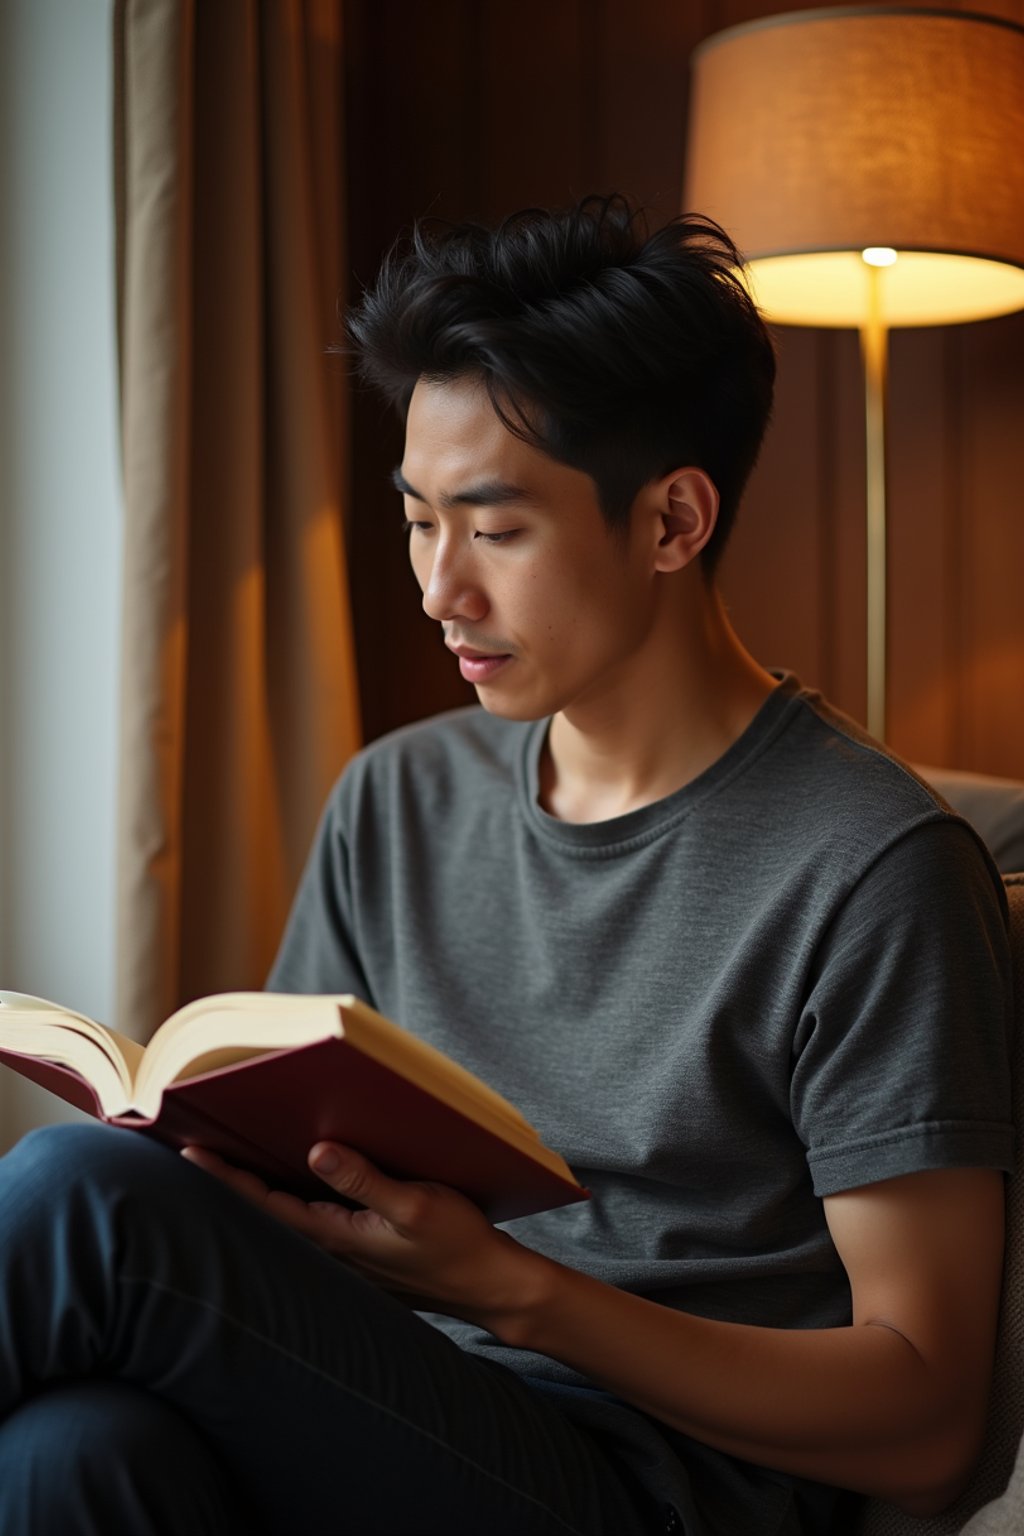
<point x="463" y="752"/>
<point x="848" y="792"/>
<point x="825" y="825"/>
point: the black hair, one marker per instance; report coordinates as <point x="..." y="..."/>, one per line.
<point x="618" y="352"/>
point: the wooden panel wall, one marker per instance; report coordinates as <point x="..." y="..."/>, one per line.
<point x="472" y="108"/>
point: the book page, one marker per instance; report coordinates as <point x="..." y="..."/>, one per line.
<point x="288" y="1018"/>
<point x="38" y="1023"/>
<point x="221" y="1031"/>
<point x="234" y="1026"/>
<point x="69" y="1048"/>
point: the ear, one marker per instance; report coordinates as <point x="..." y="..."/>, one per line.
<point x="687" y="511"/>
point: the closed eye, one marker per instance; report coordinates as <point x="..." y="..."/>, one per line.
<point x="416" y="525"/>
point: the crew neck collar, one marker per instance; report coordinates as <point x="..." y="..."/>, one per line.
<point x="619" y="834"/>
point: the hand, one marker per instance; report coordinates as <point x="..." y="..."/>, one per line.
<point x="425" y="1243"/>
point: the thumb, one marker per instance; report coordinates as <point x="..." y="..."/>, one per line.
<point x="355" y="1177"/>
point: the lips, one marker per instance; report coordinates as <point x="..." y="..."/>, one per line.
<point x="479" y="666"/>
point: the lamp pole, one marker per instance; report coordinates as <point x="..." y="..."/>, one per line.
<point x="874" y="344"/>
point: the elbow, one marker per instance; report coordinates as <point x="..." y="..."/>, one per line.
<point x="937" y="1473"/>
<point x="929" y="1502"/>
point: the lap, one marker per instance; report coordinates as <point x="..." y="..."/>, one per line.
<point x="332" y="1403"/>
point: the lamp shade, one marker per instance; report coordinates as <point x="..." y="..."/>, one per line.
<point x="817" y="135"/>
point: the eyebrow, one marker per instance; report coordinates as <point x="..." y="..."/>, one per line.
<point x="487" y="493"/>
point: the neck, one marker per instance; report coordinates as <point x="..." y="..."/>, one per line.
<point x="689" y="691"/>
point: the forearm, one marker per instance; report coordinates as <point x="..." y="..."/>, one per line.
<point x="892" y="1405"/>
<point x="856" y="1406"/>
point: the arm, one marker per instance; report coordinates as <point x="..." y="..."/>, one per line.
<point x="892" y="1405"/>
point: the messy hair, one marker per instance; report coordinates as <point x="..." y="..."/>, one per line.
<point x="618" y="352"/>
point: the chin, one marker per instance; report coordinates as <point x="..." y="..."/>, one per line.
<point x="507" y="707"/>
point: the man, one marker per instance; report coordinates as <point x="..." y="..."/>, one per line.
<point x="733" y="960"/>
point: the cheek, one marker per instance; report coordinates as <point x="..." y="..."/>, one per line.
<point x="545" y="607"/>
<point x="572" y="617"/>
<point x="586" y="596"/>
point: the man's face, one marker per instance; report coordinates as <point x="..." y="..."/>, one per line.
<point x="543" y="606"/>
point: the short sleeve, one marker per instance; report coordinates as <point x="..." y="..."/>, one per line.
<point x="317" y="952"/>
<point x="902" y="1055"/>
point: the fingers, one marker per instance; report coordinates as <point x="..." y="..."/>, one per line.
<point x="355" y="1177"/>
<point x="246" y="1184"/>
<point x="287" y="1208"/>
<point x="386" y="1203"/>
<point x="249" y="1185"/>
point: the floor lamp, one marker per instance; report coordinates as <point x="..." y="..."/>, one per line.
<point x="869" y="163"/>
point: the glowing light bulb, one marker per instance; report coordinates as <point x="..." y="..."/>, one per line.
<point x="879" y="256"/>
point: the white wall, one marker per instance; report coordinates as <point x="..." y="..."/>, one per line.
<point x="60" y="516"/>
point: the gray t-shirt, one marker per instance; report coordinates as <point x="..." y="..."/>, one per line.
<point x="787" y="979"/>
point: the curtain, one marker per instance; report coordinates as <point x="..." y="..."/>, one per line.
<point x="239" y="698"/>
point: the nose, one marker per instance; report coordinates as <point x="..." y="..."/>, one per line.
<point x="451" y="589"/>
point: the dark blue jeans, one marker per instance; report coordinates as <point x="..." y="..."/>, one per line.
<point x="172" y="1360"/>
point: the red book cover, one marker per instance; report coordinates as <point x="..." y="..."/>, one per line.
<point x="266" y="1114"/>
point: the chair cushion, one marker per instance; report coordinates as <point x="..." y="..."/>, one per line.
<point x="1005" y="1515"/>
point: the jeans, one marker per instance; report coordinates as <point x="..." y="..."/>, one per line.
<point x="175" y="1361"/>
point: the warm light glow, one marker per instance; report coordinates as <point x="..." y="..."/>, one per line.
<point x="848" y="129"/>
<point x="922" y="288"/>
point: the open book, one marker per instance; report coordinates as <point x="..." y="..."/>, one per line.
<point x="259" y="1077"/>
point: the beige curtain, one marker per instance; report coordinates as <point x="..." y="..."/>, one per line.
<point x="239" y="690"/>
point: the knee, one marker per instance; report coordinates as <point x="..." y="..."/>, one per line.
<point x="98" y="1456"/>
<point x="89" y="1168"/>
<point x="77" y="1422"/>
<point x="65" y="1147"/>
<point x="75" y="1153"/>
